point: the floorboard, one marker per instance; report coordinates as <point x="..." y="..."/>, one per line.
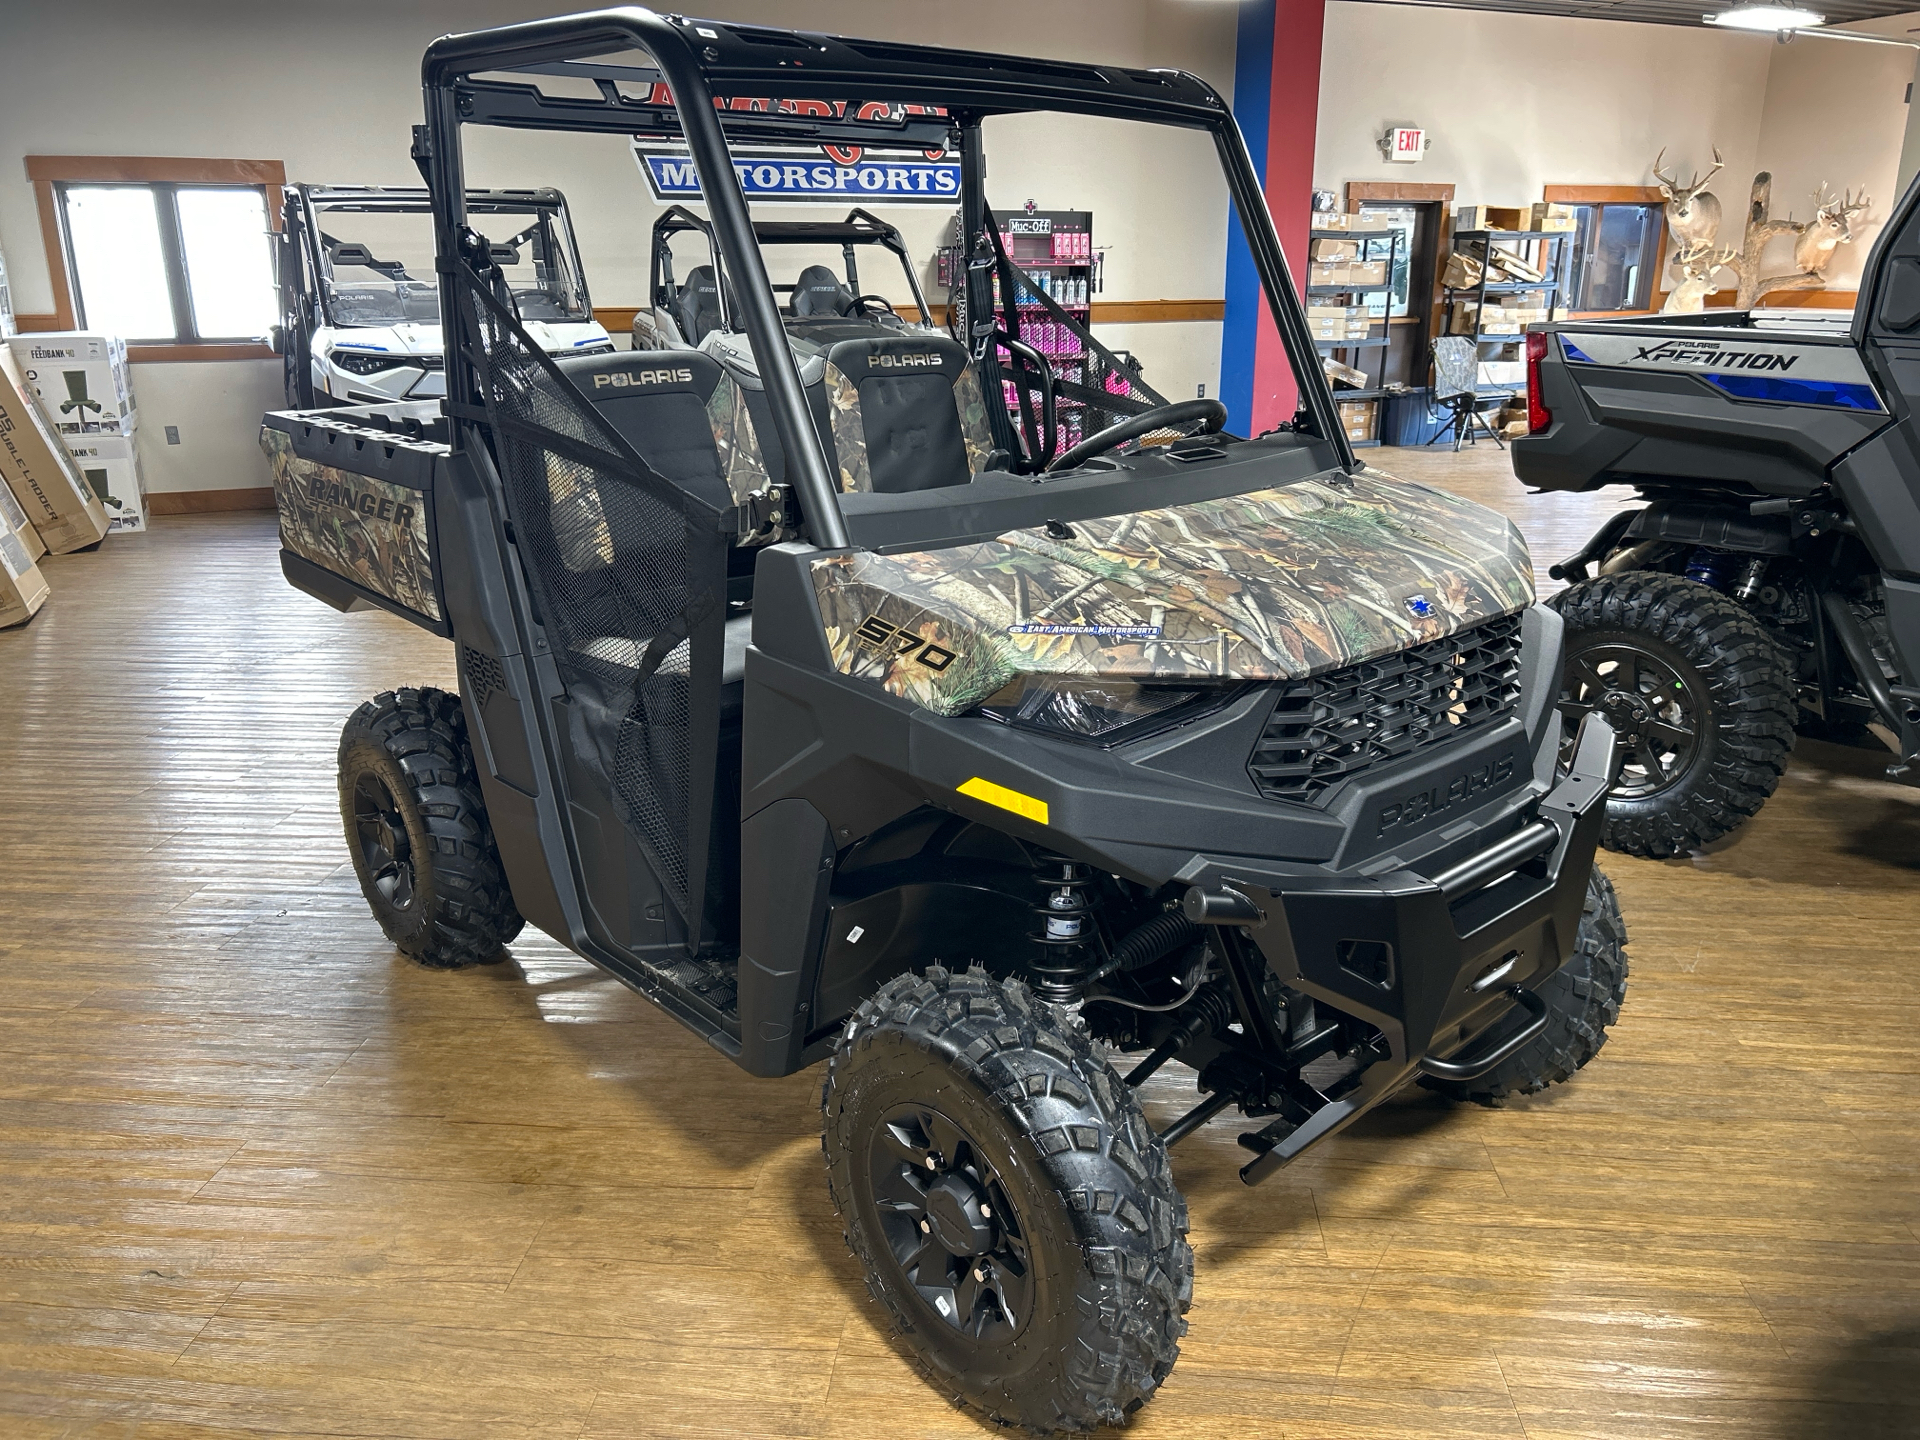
<point x="259" y="1175"/>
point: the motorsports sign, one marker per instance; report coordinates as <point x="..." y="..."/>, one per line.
<point x="814" y="174"/>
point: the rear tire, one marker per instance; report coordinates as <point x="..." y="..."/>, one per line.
<point x="1583" y="998"/>
<point x="1061" y="1310"/>
<point x="417" y="829"/>
<point x="1699" y="696"/>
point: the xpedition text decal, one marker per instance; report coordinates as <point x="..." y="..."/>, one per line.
<point x="1712" y="355"/>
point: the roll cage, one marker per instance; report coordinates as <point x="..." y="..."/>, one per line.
<point x="860" y="228"/>
<point x="302" y="268"/>
<point x="712" y="82"/>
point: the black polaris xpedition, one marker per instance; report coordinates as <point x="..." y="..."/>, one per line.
<point x="912" y="745"/>
<point x="1772" y="580"/>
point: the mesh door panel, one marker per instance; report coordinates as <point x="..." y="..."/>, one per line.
<point x="628" y="571"/>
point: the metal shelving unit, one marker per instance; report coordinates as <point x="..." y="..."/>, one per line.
<point x="1350" y="351"/>
<point x="1551" y="248"/>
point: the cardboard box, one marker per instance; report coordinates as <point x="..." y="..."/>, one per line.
<point x="7" y="325"/>
<point x="39" y="471"/>
<point x="1367" y="224"/>
<point x="23" y="589"/>
<point x="1463" y="272"/>
<point x="1490" y="217"/>
<point x="1360" y="419"/>
<point x="1343" y="374"/>
<point x="1331" y="272"/>
<point x="80" y="378"/>
<point x="1330" y="220"/>
<point x="1337" y="251"/>
<point x="111" y="467"/>
<point x="1547" y="217"/>
<point x="1367" y="272"/>
<point x="1463" y="318"/>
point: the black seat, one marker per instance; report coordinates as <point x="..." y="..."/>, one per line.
<point x="907" y="412"/>
<point x="699" y="304"/>
<point x="818" y="291"/>
<point x="657" y="400"/>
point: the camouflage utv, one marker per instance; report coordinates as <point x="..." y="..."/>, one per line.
<point x="912" y="746"/>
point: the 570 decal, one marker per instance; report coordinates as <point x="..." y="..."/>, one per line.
<point x="891" y="639"/>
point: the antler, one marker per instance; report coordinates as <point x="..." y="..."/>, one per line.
<point x="1666" y="180"/>
<point x="1850" y="206"/>
<point x="1718" y="166"/>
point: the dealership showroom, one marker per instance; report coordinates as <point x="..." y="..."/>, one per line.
<point x="1196" y="718"/>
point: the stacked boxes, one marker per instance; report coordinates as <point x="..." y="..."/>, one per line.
<point x="1553" y="217"/>
<point x="1339" y="322"/>
<point x="39" y="471"/>
<point x="23" y="589"/>
<point x="83" y="385"/>
<point x="1360" y="419"/>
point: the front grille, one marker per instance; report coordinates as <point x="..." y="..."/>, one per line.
<point x="1330" y="726"/>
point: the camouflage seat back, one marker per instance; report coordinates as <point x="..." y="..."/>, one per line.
<point x="907" y="413"/>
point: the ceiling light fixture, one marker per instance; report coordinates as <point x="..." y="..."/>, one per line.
<point x="1766" y="17"/>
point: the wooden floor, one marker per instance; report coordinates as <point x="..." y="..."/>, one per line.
<point x="259" y="1175"/>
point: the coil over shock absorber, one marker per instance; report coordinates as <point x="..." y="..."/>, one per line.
<point x="1062" y="963"/>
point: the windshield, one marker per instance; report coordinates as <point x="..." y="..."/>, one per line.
<point x="376" y="265"/>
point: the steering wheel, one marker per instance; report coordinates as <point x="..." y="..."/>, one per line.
<point x="1210" y="415"/>
<point x="860" y="304"/>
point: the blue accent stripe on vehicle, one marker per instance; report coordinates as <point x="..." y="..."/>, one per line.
<point x="1252" y="107"/>
<point x="1837" y="394"/>
<point x="1574" y="352"/>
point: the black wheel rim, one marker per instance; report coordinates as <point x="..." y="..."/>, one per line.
<point x="1654" y="708"/>
<point x="382" y="834"/>
<point x="949" y="1224"/>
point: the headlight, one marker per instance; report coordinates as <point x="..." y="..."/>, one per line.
<point x="1103" y="710"/>
<point x="604" y="348"/>
<point x="359" y="362"/>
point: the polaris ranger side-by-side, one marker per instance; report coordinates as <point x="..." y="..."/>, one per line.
<point x="935" y="752"/>
<point x="1771" y="582"/>
<point x="360" y="304"/>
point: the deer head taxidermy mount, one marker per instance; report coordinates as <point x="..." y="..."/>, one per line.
<point x="1830" y="228"/>
<point x="1698" y="264"/>
<point x="1693" y="211"/>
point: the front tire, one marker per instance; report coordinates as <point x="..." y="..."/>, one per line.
<point x="1696" y="691"/>
<point x="1583" y="999"/>
<point x="417" y="829"/>
<point x="1009" y="1203"/>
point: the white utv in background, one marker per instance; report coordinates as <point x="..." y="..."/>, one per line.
<point x="360" y="304"/>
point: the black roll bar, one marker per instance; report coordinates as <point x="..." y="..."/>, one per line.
<point x="598" y="33"/>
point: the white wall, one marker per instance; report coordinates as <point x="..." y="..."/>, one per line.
<point x="1518" y="102"/>
<point x="1836" y="112"/>
<point x="332" y="89"/>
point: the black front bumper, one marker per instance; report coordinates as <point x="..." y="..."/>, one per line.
<point x="1434" y="962"/>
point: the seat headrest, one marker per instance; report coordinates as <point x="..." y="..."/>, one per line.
<point x="818" y="291"/>
<point x="641" y="373"/>
<point x="897" y="355"/>
<point x="699" y="304"/>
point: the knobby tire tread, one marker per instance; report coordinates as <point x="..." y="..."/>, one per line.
<point x="1093" y="1145"/>
<point x="424" y="731"/>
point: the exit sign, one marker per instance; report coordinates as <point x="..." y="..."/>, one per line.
<point x="1406" y="144"/>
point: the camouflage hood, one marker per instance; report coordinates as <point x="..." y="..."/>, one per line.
<point x="1265" y="586"/>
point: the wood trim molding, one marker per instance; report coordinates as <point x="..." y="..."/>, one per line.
<point x="618" y="319"/>
<point x="209" y="502"/>
<point x="174" y="354"/>
<point x="43" y="199"/>
<point x="146" y="169"/>
<point x="47" y="170"/>
<point x="1602" y="195"/>
<point x="1358" y="190"/>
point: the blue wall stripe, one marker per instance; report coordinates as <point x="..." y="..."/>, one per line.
<point x="1252" y="100"/>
